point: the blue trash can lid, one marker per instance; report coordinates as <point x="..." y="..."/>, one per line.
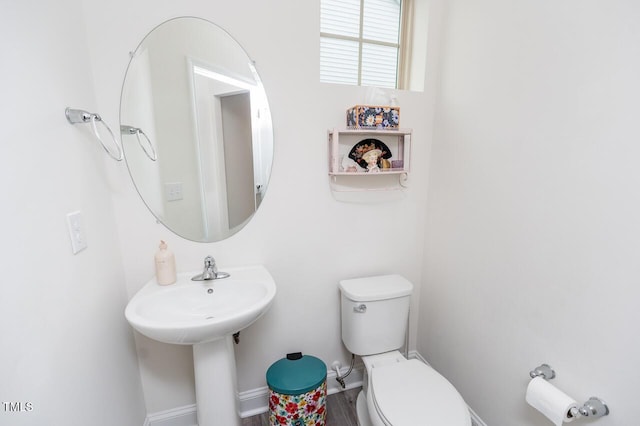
<point x="296" y="376"/>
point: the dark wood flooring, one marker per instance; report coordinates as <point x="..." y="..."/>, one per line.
<point x="341" y="411"/>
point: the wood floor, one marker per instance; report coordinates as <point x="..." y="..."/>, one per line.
<point x="341" y="411"/>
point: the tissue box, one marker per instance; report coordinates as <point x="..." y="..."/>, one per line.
<point x="373" y="117"/>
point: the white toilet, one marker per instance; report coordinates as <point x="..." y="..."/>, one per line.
<point x="396" y="391"/>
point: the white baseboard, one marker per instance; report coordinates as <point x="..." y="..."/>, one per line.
<point x="475" y="420"/>
<point x="256" y="401"/>
<point x="251" y="402"/>
<point x="354" y="380"/>
<point x="179" y="416"/>
<point x="416" y="355"/>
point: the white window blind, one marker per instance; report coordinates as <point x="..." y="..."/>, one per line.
<point x="359" y="42"/>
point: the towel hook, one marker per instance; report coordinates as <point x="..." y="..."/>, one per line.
<point x="130" y="130"/>
<point x="75" y="116"/>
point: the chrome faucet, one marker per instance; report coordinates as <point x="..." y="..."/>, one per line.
<point x="210" y="271"/>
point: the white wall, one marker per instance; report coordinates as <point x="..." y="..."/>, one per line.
<point x="533" y="221"/>
<point x="301" y="234"/>
<point x="531" y="229"/>
<point x="65" y="346"/>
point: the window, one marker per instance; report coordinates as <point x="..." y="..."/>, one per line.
<point x="360" y="42"/>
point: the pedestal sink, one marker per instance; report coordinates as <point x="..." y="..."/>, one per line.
<point x="206" y="314"/>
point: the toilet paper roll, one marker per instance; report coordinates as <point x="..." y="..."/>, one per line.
<point x="550" y="401"/>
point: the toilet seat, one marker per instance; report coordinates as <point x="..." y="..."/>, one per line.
<point x="412" y="393"/>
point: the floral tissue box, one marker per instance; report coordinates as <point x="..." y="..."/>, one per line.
<point x="373" y="117"/>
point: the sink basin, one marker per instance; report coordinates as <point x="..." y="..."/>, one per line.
<point x="192" y="312"/>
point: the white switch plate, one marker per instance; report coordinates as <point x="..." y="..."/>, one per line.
<point x="173" y="191"/>
<point x="76" y="232"/>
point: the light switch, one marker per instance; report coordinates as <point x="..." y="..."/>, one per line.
<point x="76" y="232"/>
<point x="173" y="191"/>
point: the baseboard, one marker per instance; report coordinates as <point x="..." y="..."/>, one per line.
<point x="256" y="401"/>
<point x="180" y="416"/>
<point x="475" y="419"/>
<point x="354" y="380"/>
<point x="253" y="402"/>
<point x="250" y="403"/>
<point x="416" y="355"/>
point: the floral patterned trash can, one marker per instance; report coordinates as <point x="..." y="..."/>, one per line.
<point x="297" y="391"/>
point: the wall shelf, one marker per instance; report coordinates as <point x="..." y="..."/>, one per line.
<point x="347" y="176"/>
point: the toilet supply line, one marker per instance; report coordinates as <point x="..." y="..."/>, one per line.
<point x="339" y="378"/>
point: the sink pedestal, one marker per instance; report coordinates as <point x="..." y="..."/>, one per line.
<point x="205" y="316"/>
<point x="216" y="385"/>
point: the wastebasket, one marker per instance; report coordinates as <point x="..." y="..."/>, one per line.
<point x="297" y="391"/>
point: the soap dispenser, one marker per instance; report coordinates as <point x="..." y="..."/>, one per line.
<point x="165" y="265"/>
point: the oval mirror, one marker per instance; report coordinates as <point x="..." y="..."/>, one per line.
<point x="196" y="129"/>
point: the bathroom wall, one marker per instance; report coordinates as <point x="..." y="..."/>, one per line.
<point x="307" y="239"/>
<point x="67" y="355"/>
<point x="533" y="214"/>
<point x="531" y="228"/>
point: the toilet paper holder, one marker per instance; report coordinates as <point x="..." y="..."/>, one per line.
<point x="544" y="371"/>
<point x="593" y="408"/>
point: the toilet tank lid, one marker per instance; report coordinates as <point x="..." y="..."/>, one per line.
<point x="380" y="287"/>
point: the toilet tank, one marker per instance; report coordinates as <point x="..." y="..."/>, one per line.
<point x="375" y="311"/>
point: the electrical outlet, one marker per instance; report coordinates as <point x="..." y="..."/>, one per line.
<point x="76" y="232"/>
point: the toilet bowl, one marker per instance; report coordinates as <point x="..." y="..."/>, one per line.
<point x="396" y="391"/>
<point x="401" y="392"/>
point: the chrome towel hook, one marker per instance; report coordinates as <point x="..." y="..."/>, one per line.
<point x="75" y="116"/>
<point x="130" y="130"/>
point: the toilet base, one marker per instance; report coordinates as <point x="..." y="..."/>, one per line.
<point x="362" y="411"/>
